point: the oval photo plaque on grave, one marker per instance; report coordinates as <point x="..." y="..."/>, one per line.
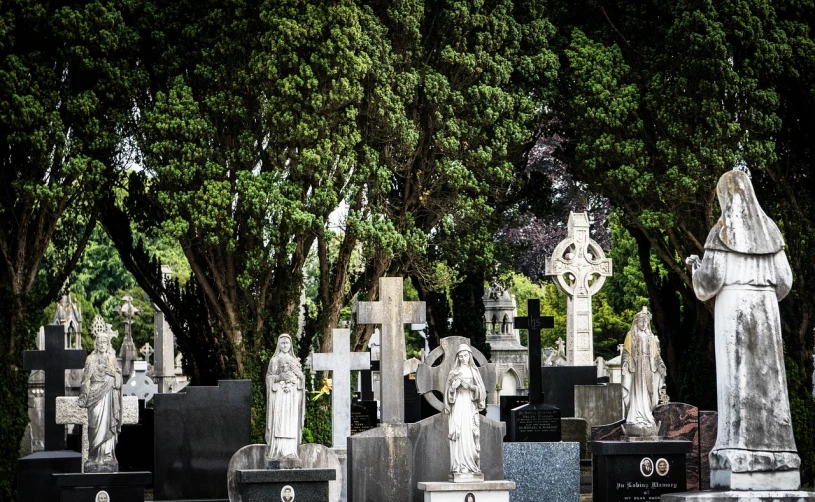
<point x="646" y="467"/>
<point x="102" y="496"/>
<point x="469" y="498"/>
<point x="662" y="467"/>
<point x="287" y="494"/>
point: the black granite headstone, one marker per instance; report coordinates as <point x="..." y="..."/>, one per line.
<point x="534" y="423"/>
<point x="505" y="406"/>
<point x="366" y="382"/>
<point x="256" y="485"/>
<point x="363" y="416"/>
<point x="34" y="473"/>
<point x="638" y="470"/>
<point x="119" y="486"/>
<point x="196" y="434"/>
<point x="558" y="385"/>
<point x="134" y="450"/>
<point x="416" y="408"/>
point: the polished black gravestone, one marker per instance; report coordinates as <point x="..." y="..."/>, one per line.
<point x="416" y="408"/>
<point x="34" y="471"/>
<point x="366" y="384"/>
<point x="558" y="384"/>
<point x="303" y="485"/>
<point x="196" y="434"/>
<point x="118" y="486"/>
<point x="134" y="450"/>
<point x="363" y="416"/>
<point x="534" y="421"/>
<point x="505" y="406"/>
<point x="638" y="470"/>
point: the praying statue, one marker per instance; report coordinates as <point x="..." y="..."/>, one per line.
<point x="643" y="373"/>
<point x="285" y="406"/>
<point x="464" y="398"/>
<point x="746" y="270"/>
<point x="101" y="393"/>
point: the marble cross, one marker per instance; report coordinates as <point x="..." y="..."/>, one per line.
<point x="341" y="362"/>
<point x="392" y="312"/>
<point x="579" y="268"/>
<point x="55" y="359"/>
<point x="533" y="323"/>
<point x="147" y="351"/>
<point x="430" y="378"/>
<point x="68" y="411"/>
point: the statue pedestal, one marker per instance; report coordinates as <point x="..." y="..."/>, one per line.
<point x="256" y="485"/>
<point x="743" y="496"/>
<point x="119" y="486"/>
<point x="484" y="491"/>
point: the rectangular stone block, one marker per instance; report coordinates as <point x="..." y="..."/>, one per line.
<point x="599" y="404"/>
<point x="558" y="382"/>
<point x="556" y="478"/>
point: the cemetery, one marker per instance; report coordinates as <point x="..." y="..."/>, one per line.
<point x="357" y="251"/>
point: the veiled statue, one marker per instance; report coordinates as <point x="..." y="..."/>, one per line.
<point x="643" y="373"/>
<point x="285" y="406"/>
<point x="746" y="270"/>
<point x="101" y="393"/>
<point x="464" y="398"/>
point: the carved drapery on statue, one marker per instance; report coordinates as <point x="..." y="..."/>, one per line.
<point x="101" y="394"/>
<point x="643" y="373"/>
<point x="464" y="398"/>
<point x="285" y="405"/>
<point x="746" y="270"/>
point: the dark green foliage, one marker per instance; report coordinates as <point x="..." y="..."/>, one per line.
<point x="802" y="407"/>
<point x="468" y="312"/>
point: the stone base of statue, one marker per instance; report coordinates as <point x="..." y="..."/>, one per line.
<point x="101" y="467"/>
<point x="724" y="479"/>
<point x="107" y="487"/>
<point x="741" y="496"/>
<point x="466" y="477"/>
<point x="257" y="485"/>
<point x="638" y="470"/>
<point x="484" y="491"/>
<point x="284" y="463"/>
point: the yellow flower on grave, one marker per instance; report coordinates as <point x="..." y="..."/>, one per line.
<point x="325" y="390"/>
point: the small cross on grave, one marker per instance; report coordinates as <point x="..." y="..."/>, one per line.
<point x="147" y="351"/>
<point x="534" y="421"/>
<point x="128" y="350"/>
<point x="68" y="411"/>
<point x="392" y="312"/>
<point x="430" y="378"/>
<point x="140" y="385"/>
<point x="579" y="268"/>
<point x="341" y="362"/>
<point x="54" y="360"/>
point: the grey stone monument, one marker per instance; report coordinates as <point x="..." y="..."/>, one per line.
<point x="164" y="364"/>
<point x="579" y="268"/>
<point x="128" y="353"/>
<point x="507" y="353"/>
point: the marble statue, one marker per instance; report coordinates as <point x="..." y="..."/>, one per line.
<point x="285" y="406"/>
<point x="560" y="357"/>
<point x="464" y="398"/>
<point x="101" y="393"/>
<point x="643" y="374"/>
<point x="746" y="270"/>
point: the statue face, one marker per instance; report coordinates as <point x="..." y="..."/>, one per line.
<point x="464" y="357"/>
<point x="102" y="345"/>
<point x="642" y="323"/>
<point x="285" y="344"/>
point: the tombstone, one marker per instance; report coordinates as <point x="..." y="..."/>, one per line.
<point x="135" y="450"/>
<point x="506" y="405"/>
<point x="507" y="354"/>
<point x="535" y="421"/>
<point x="146" y="350"/>
<point x="341" y="362"/>
<point x="599" y="404"/>
<point x="127" y="353"/>
<point x="34" y="440"/>
<point x="416" y="408"/>
<point x="164" y="372"/>
<point x="558" y="384"/>
<point x="209" y="423"/>
<point x="102" y="487"/>
<point x="579" y="268"/>
<point x="363" y="416"/>
<point x="140" y="385"/>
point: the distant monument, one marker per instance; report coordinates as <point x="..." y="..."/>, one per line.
<point x="285" y="406"/>
<point x="643" y="373"/>
<point x="507" y="353"/>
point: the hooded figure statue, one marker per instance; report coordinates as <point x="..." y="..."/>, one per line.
<point x="285" y="405"/>
<point x="746" y="270"/>
<point x="464" y="397"/>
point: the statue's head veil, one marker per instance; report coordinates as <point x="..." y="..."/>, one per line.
<point x="279" y="351"/>
<point x="743" y="226"/>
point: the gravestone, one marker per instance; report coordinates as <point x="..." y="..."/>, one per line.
<point x="535" y="421"/>
<point x="579" y="268"/>
<point x="392" y="313"/>
<point x="341" y="362"/>
<point x="363" y="416"/>
<point x="196" y="434"/>
<point x="140" y="385"/>
<point x="558" y="384"/>
<point x="127" y="353"/>
<point x="164" y="364"/>
<point x="102" y="487"/>
<point x="506" y="404"/>
<point x="599" y="404"/>
<point x="416" y="408"/>
<point x="537" y="471"/>
<point x="134" y="450"/>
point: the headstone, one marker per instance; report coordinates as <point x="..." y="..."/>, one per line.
<point x="506" y="405"/>
<point x="140" y="385"/>
<point x="341" y="362"/>
<point x="535" y="421"/>
<point x="164" y="365"/>
<point x="416" y="408"/>
<point x="638" y="470"/>
<point x="36" y="405"/>
<point x="69" y="412"/>
<point x="579" y="268"/>
<point x="102" y="487"/>
<point x="127" y="353"/>
<point x="146" y="350"/>
<point x="54" y="360"/>
<point x="363" y="416"/>
<point x="599" y="404"/>
<point x="392" y="312"/>
<point x="543" y="480"/>
<point x="209" y="423"/>
<point x="558" y="383"/>
<point x="366" y="384"/>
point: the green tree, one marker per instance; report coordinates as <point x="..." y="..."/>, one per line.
<point x="65" y="71"/>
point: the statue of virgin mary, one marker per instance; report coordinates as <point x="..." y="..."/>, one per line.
<point x="464" y="397"/>
<point x="285" y="406"/>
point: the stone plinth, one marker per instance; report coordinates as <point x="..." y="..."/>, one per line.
<point x="558" y="477"/>
<point x="485" y="491"/>
<point x="599" y="404"/>
<point x="745" y="496"/>
<point x="304" y="485"/>
<point x="119" y="486"/>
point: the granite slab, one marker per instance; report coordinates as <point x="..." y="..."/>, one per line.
<point x="745" y="496"/>
<point x="536" y="468"/>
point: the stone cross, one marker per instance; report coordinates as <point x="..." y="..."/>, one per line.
<point x="341" y="362"/>
<point x="429" y="377"/>
<point x="147" y="351"/>
<point x="579" y="268"/>
<point x="128" y="350"/>
<point x="55" y="359"/>
<point x="68" y="411"/>
<point x="140" y="385"/>
<point x="392" y="312"/>
<point x="164" y="363"/>
<point x="533" y="323"/>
